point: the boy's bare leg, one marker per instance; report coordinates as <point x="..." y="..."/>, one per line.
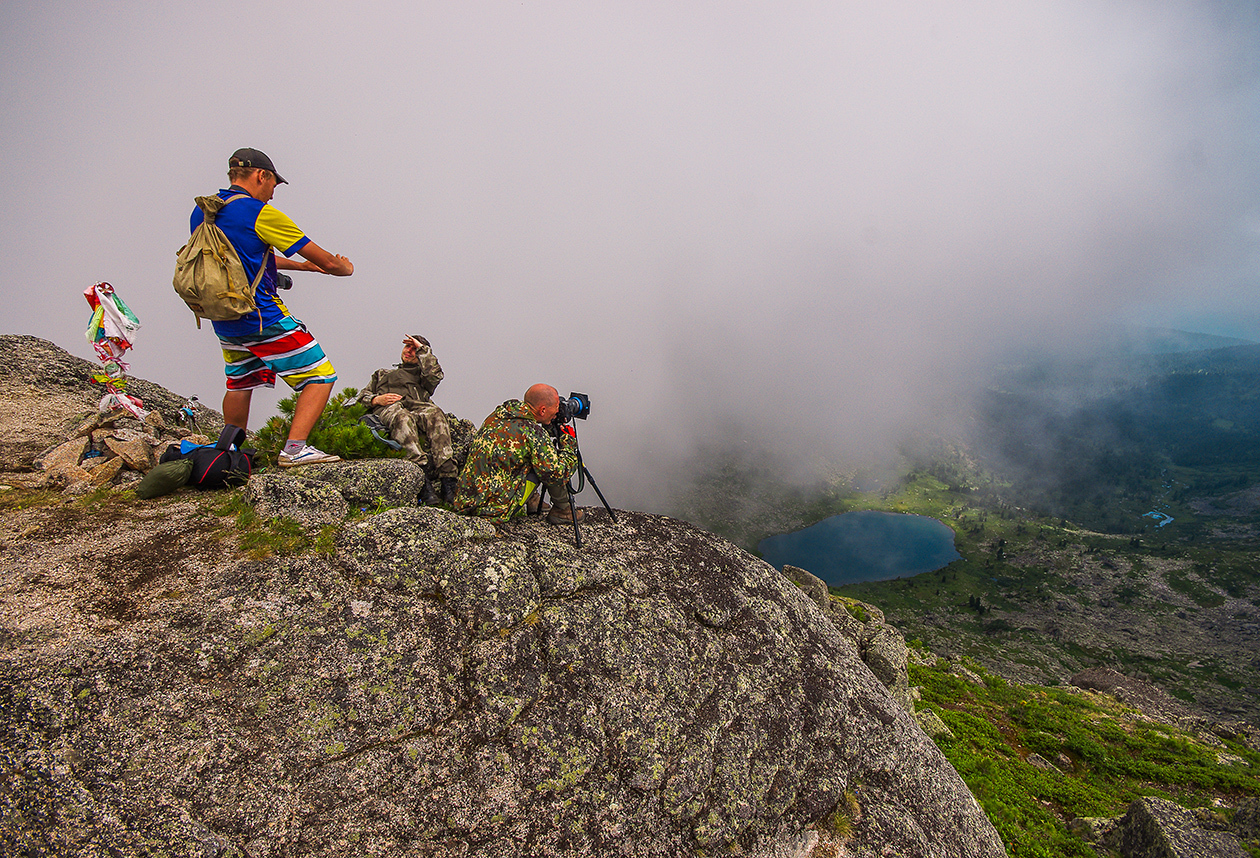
<point x="310" y="404"/>
<point x="236" y="407"/>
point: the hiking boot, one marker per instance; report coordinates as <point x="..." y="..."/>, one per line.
<point x="536" y="504"/>
<point x="428" y="497"/>
<point x="565" y="514"/>
<point x="449" y="486"/>
<point x="308" y="455"/>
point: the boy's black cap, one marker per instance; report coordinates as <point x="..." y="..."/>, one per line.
<point x="254" y="158"/>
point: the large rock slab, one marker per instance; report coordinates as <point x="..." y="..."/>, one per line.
<point x="324" y="494"/>
<point x="1158" y="828"/>
<point x="1246" y="821"/>
<point x="882" y="648"/>
<point x="279" y="495"/>
<point x="105" y="471"/>
<point x="137" y="452"/>
<point x="367" y="483"/>
<point x="437" y="686"/>
<point x="63" y="455"/>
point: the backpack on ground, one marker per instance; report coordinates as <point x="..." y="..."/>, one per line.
<point x="224" y="464"/>
<point x="209" y="275"/>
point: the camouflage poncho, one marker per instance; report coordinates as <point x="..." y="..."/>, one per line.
<point x="510" y="444"/>
<point x="415" y="382"/>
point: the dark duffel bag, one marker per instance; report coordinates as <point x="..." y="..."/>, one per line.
<point x="224" y="464"/>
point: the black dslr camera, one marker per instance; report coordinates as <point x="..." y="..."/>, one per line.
<point x="577" y="405"/>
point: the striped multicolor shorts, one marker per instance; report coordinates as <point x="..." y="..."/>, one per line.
<point x="284" y="349"/>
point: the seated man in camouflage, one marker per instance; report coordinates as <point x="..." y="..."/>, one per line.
<point x="512" y="453"/>
<point x="400" y="398"/>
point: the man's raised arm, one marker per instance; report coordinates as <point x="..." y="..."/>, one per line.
<point x="328" y="263"/>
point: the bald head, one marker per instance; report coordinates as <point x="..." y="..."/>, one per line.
<point x="543" y="401"/>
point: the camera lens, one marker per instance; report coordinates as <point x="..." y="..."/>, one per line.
<point x="580" y="405"/>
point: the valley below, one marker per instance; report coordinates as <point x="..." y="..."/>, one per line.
<point x="1039" y="601"/>
<point x="1063" y="566"/>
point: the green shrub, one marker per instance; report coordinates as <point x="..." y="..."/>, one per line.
<point x="858" y="611"/>
<point x="338" y="431"/>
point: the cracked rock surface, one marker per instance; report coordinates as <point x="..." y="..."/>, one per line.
<point x="435" y="686"/>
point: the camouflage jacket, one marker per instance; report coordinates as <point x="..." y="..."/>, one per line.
<point x="507" y="447"/>
<point x="414" y="383"/>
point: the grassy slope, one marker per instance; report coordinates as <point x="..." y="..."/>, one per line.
<point x="1102" y="758"/>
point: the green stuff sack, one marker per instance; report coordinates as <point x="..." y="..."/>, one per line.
<point x="164" y="479"/>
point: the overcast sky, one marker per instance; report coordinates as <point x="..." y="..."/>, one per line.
<point x="809" y="221"/>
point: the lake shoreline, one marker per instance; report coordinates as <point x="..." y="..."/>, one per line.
<point x="864" y="545"/>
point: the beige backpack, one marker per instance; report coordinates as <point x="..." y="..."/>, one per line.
<point x="208" y="273"/>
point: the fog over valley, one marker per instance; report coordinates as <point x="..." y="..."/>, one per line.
<point x="811" y="229"/>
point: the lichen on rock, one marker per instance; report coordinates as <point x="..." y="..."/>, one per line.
<point x="440" y="684"/>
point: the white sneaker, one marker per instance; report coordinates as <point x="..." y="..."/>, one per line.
<point x="308" y="455"/>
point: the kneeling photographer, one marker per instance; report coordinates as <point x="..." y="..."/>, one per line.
<point x="519" y="446"/>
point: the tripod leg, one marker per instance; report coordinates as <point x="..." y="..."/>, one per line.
<point x="591" y="480"/>
<point x="573" y="511"/>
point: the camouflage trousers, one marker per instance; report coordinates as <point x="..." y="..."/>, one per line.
<point x="406" y="425"/>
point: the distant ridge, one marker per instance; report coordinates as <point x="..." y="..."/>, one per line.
<point x="1154" y="341"/>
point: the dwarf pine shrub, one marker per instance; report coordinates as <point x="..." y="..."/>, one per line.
<point x="338" y="431"/>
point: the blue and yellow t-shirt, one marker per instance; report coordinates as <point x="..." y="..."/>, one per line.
<point x="254" y="228"/>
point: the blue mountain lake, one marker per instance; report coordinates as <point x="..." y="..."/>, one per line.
<point x="864" y="546"/>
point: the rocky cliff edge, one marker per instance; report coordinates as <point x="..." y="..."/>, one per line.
<point x="431" y="685"/>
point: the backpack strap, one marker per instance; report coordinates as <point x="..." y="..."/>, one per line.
<point x="254" y="287"/>
<point x="209" y="215"/>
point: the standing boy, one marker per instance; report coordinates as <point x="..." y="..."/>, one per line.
<point x="269" y="341"/>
